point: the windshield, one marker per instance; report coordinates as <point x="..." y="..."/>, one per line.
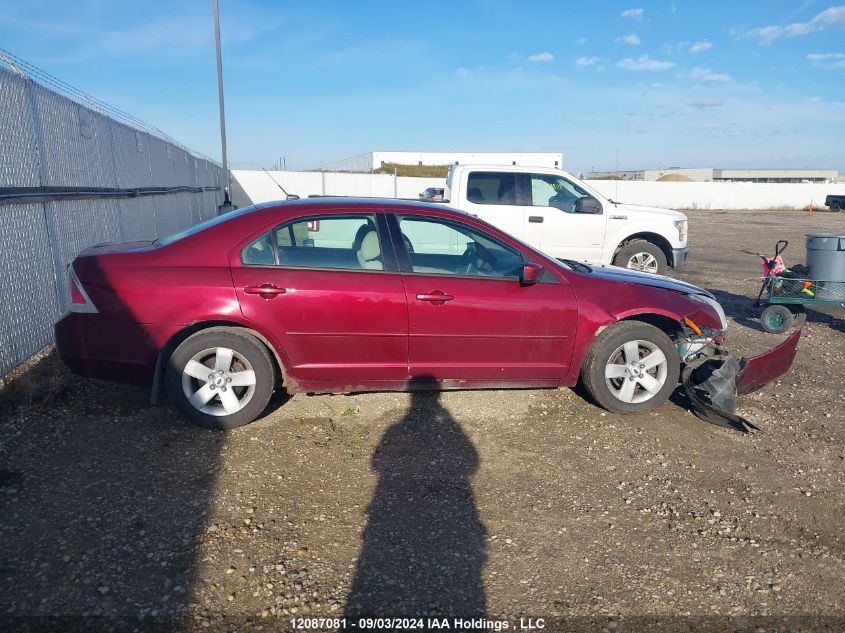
<point x="193" y="230"/>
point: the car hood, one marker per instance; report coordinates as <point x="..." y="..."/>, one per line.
<point x="641" y="209"/>
<point x="624" y="275"/>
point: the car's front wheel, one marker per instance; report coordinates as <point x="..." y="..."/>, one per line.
<point x="631" y="367"/>
<point x="220" y="379"/>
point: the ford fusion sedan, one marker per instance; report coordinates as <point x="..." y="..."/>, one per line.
<point x="346" y="295"/>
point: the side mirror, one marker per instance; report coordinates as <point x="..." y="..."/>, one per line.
<point x="587" y="205"/>
<point x="291" y="196"/>
<point x="531" y="274"/>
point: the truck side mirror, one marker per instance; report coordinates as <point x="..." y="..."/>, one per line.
<point x="531" y="274"/>
<point x="588" y="205"/>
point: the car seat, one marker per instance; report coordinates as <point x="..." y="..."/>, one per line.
<point x="507" y="195"/>
<point x="369" y="254"/>
<point x="474" y="195"/>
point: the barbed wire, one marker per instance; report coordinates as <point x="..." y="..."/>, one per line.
<point x="38" y="75"/>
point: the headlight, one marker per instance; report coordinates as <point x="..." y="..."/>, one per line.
<point x="713" y="304"/>
<point x="681" y="225"/>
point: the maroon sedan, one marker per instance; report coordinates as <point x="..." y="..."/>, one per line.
<point x="339" y="295"/>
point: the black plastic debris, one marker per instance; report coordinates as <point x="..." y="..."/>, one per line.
<point x="710" y="387"/>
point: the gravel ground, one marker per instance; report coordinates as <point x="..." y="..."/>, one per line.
<point x="496" y="504"/>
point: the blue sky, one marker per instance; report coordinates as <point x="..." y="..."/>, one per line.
<point x="724" y="84"/>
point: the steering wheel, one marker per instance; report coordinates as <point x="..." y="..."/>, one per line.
<point x="478" y="258"/>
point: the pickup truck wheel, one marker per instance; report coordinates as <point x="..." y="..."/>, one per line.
<point x="835" y="206"/>
<point x="632" y="367"/>
<point x="643" y="256"/>
<point x="220" y="380"/>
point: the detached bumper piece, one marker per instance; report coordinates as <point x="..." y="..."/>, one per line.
<point x="712" y="383"/>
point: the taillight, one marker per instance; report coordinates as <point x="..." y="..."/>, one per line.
<point x="79" y="299"/>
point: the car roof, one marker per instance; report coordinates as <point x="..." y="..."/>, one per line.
<point x="333" y="202"/>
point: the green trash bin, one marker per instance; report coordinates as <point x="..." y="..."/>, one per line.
<point x="826" y="261"/>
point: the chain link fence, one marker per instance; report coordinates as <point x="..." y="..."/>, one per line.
<point x="71" y="176"/>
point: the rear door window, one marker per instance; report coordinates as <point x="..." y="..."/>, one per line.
<point x="492" y="187"/>
<point x="336" y="241"/>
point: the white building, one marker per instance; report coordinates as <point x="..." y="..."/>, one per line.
<point x="710" y="174"/>
<point x="373" y="160"/>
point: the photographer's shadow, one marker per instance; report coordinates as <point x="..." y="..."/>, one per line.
<point x="424" y="545"/>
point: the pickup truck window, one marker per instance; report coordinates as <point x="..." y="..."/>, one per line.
<point x="491" y="187"/>
<point x="553" y="191"/>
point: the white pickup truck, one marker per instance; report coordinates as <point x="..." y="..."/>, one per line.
<point x="565" y="217"/>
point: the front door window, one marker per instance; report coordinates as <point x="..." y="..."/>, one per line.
<point x="441" y="247"/>
<point x="548" y="190"/>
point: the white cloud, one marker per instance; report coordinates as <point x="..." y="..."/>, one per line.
<point x="543" y="58"/>
<point x="706" y="105"/>
<point x="634" y="14"/>
<point x="631" y="40"/>
<point x="461" y="72"/>
<point x="827" y="60"/>
<point x="705" y="74"/>
<point x="700" y="47"/>
<point x="588" y="61"/>
<point x="580" y="41"/>
<point x="832" y="18"/>
<point x="644" y="62"/>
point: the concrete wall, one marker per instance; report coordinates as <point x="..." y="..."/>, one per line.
<point x="258" y="187"/>
<point x="716" y="195"/>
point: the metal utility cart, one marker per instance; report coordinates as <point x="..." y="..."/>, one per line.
<point x="785" y="295"/>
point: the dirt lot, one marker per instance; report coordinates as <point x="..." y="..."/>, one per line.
<point x="495" y="504"/>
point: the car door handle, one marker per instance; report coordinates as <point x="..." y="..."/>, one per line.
<point x="265" y="291"/>
<point x="535" y="218"/>
<point x="437" y="297"/>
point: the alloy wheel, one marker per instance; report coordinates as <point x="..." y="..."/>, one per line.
<point x="218" y="381"/>
<point x="646" y="262"/>
<point x="636" y="371"/>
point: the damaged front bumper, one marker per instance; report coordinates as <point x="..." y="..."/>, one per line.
<point x="712" y="379"/>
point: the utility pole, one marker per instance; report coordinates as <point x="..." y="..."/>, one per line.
<point x="227" y="179"/>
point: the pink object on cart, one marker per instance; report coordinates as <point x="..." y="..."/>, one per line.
<point x="773" y="266"/>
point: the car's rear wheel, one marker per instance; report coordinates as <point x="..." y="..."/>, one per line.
<point x="835" y="206"/>
<point x="643" y="256"/>
<point x="220" y="379"/>
<point x="632" y="367"/>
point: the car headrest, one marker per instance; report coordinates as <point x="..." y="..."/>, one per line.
<point x="369" y="255"/>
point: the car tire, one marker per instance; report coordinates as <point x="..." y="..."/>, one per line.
<point x="642" y="255"/>
<point x="777" y="319"/>
<point x="630" y="345"/>
<point x="211" y="400"/>
<point x="835" y="206"/>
